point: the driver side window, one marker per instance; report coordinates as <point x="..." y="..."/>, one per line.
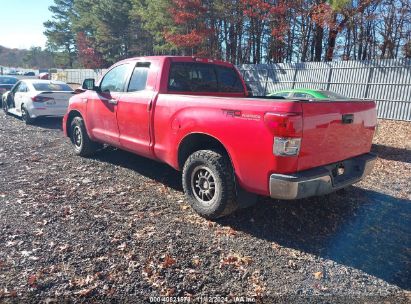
<point x="16" y="88"/>
<point x="114" y="80"/>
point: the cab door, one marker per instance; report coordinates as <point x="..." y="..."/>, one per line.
<point x="135" y="107"/>
<point x="102" y="105"/>
<point x="10" y="96"/>
<point x="19" y="96"/>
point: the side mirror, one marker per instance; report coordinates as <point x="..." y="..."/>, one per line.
<point x="89" y="84"/>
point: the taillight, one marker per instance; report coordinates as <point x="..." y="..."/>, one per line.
<point x="285" y="124"/>
<point x="41" y="98"/>
<point x="287" y="130"/>
<point x="286" y="146"/>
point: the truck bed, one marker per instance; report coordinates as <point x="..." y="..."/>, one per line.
<point x="240" y="123"/>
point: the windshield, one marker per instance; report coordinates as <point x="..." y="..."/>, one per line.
<point x="62" y="87"/>
<point x="203" y="77"/>
<point x="332" y="95"/>
<point x="280" y="94"/>
<point x="8" y="80"/>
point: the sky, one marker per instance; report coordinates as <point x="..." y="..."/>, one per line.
<point x="21" y="22"/>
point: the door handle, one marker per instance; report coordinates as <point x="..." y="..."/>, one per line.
<point x="348" y="118"/>
<point x="113" y="101"/>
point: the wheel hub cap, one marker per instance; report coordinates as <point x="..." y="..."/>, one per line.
<point x="77" y="137"/>
<point x="203" y="184"/>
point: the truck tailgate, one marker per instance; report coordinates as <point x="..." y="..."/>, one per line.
<point x="335" y="130"/>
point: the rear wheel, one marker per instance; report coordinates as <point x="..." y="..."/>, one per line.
<point x="208" y="181"/>
<point x="25" y="115"/>
<point x="82" y="143"/>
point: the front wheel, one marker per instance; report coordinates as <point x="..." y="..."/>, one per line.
<point x="208" y="182"/>
<point x="5" y="106"/>
<point x="82" y="143"/>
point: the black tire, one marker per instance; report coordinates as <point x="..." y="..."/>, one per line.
<point x="4" y="106"/>
<point x="82" y="143"/>
<point x="25" y="116"/>
<point x="202" y="171"/>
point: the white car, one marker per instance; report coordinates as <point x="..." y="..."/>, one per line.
<point x="32" y="98"/>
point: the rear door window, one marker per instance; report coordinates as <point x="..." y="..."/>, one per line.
<point x="138" y="80"/>
<point x="203" y="77"/>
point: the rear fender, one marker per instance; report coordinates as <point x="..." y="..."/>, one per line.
<point x="213" y="124"/>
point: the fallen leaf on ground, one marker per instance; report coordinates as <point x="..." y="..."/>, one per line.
<point x="32" y="280"/>
<point x="168" y="261"/>
<point x="318" y="275"/>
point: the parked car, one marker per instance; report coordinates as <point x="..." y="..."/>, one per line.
<point x="6" y="83"/>
<point x="44" y="76"/>
<point x="308" y="94"/>
<point x="29" y="74"/>
<point x="195" y="115"/>
<point x="32" y="98"/>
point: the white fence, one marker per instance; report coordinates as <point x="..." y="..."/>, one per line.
<point x="76" y="76"/>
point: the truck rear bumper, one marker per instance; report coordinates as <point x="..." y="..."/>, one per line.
<point x="321" y="180"/>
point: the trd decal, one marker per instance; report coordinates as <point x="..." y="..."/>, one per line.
<point x="239" y="114"/>
<point x="232" y="113"/>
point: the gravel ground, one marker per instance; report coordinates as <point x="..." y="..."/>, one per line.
<point x="117" y="227"/>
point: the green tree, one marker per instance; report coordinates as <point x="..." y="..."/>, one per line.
<point x="155" y="19"/>
<point x="113" y="30"/>
<point x="235" y="30"/>
<point x="60" y="37"/>
<point x="37" y="58"/>
<point x="340" y="14"/>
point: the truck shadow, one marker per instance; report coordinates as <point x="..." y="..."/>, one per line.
<point x="52" y="123"/>
<point x="392" y="153"/>
<point x="359" y="228"/>
<point x="159" y="172"/>
<point x="363" y="229"/>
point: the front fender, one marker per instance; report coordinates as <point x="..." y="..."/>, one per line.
<point x="77" y="107"/>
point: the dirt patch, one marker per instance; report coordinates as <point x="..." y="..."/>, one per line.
<point x="117" y="227"/>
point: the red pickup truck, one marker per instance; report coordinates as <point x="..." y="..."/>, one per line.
<point x="195" y="115"/>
